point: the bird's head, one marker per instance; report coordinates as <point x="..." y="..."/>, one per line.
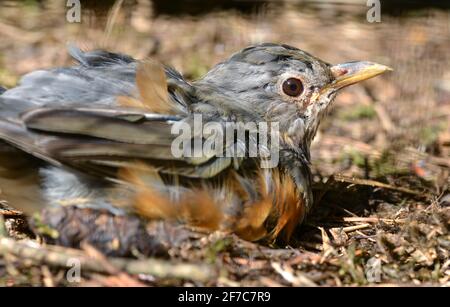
<point x="280" y="83"/>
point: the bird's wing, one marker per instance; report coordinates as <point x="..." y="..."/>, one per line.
<point x="95" y="139"/>
<point x="106" y="111"/>
<point x="90" y="82"/>
<point x="98" y="79"/>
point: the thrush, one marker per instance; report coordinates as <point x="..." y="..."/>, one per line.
<point x="104" y="135"/>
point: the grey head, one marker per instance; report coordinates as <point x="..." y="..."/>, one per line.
<point x="280" y="83"/>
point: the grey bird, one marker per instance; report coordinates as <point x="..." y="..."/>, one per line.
<point x="100" y="135"/>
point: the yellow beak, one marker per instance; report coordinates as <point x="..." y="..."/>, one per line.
<point x="353" y="72"/>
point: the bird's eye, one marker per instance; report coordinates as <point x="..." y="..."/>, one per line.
<point x="292" y="87"/>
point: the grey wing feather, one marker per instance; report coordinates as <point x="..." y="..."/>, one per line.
<point x="92" y="124"/>
<point x="111" y="140"/>
<point x="98" y="79"/>
<point x="79" y="138"/>
<point x="30" y="142"/>
<point x="70" y="116"/>
<point x="66" y="86"/>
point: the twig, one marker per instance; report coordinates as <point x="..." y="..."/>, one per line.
<point x="356" y="219"/>
<point x="61" y="257"/>
<point x="364" y="236"/>
<point x="326" y="245"/>
<point x="374" y="183"/>
<point x="356" y="227"/>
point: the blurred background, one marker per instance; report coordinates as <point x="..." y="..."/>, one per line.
<point x="394" y="124"/>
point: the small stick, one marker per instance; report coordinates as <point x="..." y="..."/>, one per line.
<point x="356" y="227"/>
<point x="61" y="257"/>
<point x="374" y="183"/>
<point x="369" y="220"/>
<point x="363" y="235"/>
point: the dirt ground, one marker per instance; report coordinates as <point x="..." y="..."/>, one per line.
<point x="381" y="161"/>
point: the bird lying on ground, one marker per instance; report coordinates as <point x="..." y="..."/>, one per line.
<point x="101" y="135"/>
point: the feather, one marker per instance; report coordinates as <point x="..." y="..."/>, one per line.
<point x="17" y="135"/>
<point x="81" y="149"/>
<point x="84" y="122"/>
<point x="246" y="206"/>
<point x="197" y="207"/>
<point x="152" y="86"/>
<point x="289" y="207"/>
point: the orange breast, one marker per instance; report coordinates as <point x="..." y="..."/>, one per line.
<point x="275" y="212"/>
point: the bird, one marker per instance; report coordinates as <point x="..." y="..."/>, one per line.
<point x="103" y="135"/>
